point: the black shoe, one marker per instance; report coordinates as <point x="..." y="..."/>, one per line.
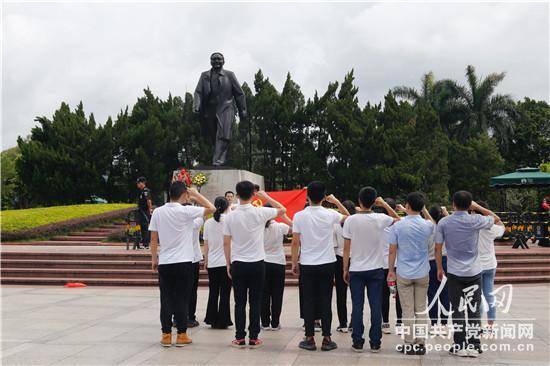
<point x="308" y="344"/>
<point x="328" y="345"/>
<point x="408" y="349"/>
<point x="375" y="348"/>
<point x="192" y="323"/>
<point x="357" y="346"/>
<point x="420" y="350"/>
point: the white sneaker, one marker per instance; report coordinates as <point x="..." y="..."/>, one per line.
<point x="386" y="328"/>
<point x="274" y="329"/>
<point x="472" y="352"/>
<point x="342" y="329"/>
<point x="460" y="352"/>
<point x="317" y="327"/>
<point x="399" y="329"/>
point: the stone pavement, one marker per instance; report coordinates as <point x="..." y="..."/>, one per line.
<point x="109" y="325"/>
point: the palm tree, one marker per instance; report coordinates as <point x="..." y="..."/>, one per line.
<point x="479" y="110"/>
<point x="436" y="93"/>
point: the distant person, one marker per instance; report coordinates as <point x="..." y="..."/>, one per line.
<point x="312" y="242"/>
<point x="229" y="196"/>
<point x="243" y="231"/>
<point x="172" y="236"/>
<point x="363" y="265"/>
<point x="275" y="268"/>
<point x="198" y="257"/>
<point x="219" y="284"/>
<point x="460" y="233"/>
<point x="339" y="283"/>
<point x="488" y="261"/>
<point x="441" y="304"/>
<point x="145" y="209"/>
<point x="545" y="204"/>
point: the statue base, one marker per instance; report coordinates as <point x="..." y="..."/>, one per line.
<point x="223" y="179"/>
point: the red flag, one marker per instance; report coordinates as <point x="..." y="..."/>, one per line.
<point x="294" y="200"/>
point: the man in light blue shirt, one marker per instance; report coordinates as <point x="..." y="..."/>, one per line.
<point x="460" y="232"/>
<point x="409" y="237"/>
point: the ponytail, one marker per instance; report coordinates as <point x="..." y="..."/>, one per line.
<point x="221" y="205"/>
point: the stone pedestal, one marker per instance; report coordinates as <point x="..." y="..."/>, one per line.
<point x="222" y="180"/>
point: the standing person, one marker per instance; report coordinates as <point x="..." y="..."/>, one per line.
<point x="275" y="263"/>
<point x="409" y="240"/>
<point x="312" y="240"/>
<point x="488" y="261"/>
<point x="439" y="307"/>
<point x="229" y="196"/>
<point x="460" y="233"/>
<point x="145" y="209"/>
<point x="340" y="284"/>
<point x="197" y="224"/>
<point x="172" y="229"/>
<point x="217" y="312"/>
<point x="243" y="231"/>
<point x="364" y="248"/>
<point x="386" y="293"/>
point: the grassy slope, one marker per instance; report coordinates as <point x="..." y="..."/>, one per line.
<point x="15" y="220"/>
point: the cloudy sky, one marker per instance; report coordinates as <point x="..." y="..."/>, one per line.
<point x="106" y="53"/>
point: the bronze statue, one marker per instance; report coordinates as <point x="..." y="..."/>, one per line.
<point x="214" y="102"/>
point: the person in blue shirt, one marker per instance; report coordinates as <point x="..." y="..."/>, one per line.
<point x="409" y="239"/>
<point x="460" y="233"/>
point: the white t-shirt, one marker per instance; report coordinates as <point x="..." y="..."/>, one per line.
<point x="174" y="224"/>
<point x="338" y="240"/>
<point x="486" y="243"/>
<point x="386" y="243"/>
<point x="197" y="223"/>
<point x="366" y="232"/>
<point x="246" y="226"/>
<point x="274" y="236"/>
<point x="213" y="233"/>
<point x="315" y="224"/>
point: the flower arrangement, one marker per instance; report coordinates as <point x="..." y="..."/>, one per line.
<point x="183" y="175"/>
<point x="200" y="179"/>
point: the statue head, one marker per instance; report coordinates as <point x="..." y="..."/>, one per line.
<point x="217" y="60"/>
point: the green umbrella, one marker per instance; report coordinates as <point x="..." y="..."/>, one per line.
<point x="524" y="177"/>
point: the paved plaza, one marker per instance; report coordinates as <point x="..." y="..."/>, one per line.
<point x="110" y="326"/>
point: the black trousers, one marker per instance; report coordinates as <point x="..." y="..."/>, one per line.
<point x="386" y="302"/>
<point x="219" y="285"/>
<point x="468" y="289"/>
<point x="194" y="288"/>
<point x="272" y="294"/>
<point x="317" y="291"/>
<point x="175" y="281"/>
<point x="341" y="292"/>
<point x="248" y="278"/>
<point x="144" y="219"/>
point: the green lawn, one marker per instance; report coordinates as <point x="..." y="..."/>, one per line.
<point x="16" y="220"/>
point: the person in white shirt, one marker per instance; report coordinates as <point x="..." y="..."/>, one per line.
<point x="171" y="229"/>
<point x="312" y="240"/>
<point x="197" y="258"/>
<point x="218" y="311"/>
<point x="243" y="231"/>
<point x="488" y="260"/>
<point x="341" y="286"/>
<point x="275" y="266"/>
<point x="364" y="248"/>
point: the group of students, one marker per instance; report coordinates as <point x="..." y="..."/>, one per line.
<point x="365" y="247"/>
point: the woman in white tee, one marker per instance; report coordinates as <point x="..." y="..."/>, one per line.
<point x="275" y="266"/>
<point x="218" y="313"/>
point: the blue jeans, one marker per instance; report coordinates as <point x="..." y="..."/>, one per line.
<point x="435" y="312"/>
<point x="487" y="282"/>
<point x="373" y="280"/>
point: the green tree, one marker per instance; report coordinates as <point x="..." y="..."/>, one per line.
<point x="10" y="179"/>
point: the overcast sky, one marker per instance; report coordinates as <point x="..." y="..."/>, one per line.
<point x="105" y="54"/>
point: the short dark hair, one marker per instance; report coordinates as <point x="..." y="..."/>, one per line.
<point x="391" y="202"/>
<point x="316" y="191"/>
<point x="416" y="201"/>
<point x="226" y="193"/>
<point x="462" y="200"/>
<point x="256" y="187"/>
<point x="245" y="189"/>
<point x="367" y="196"/>
<point x="141" y="180"/>
<point x="350" y="206"/>
<point x="436" y="213"/>
<point x="177" y="189"/>
<point x="217" y="53"/>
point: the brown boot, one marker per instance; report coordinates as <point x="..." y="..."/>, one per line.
<point x="183" y="340"/>
<point x="166" y="340"/>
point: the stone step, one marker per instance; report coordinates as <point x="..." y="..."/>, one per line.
<point x="523" y="271"/>
<point x="507" y="263"/>
<point x="80" y="264"/>
<point x="521" y="279"/>
<point x="92" y="234"/>
<point x="74" y="238"/>
<point x="122" y="255"/>
<point x="67" y="243"/>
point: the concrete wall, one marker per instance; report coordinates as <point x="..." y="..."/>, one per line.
<point x="223" y="180"/>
